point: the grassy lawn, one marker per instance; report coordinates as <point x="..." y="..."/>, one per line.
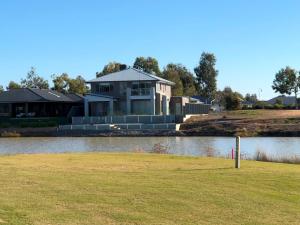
<point x="138" y="188"/>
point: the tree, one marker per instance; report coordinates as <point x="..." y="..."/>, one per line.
<point x="170" y="73"/>
<point x="78" y="85"/>
<point x="251" y="98"/>
<point x="13" y="85"/>
<point x="111" y="67"/>
<point x="61" y="83"/>
<point x="148" y="65"/>
<point x="184" y="80"/>
<point x="207" y="75"/>
<point x="287" y="81"/>
<point x="231" y="100"/>
<point x="1" y="88"/>
<point x="33" y="80"/>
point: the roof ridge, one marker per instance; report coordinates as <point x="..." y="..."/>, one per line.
<point x="31" y="90"/>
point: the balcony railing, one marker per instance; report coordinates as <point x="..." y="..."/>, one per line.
<point x="140" y="91"/>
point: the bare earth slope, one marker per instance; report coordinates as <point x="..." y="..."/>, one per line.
<point x="245" y="123"/>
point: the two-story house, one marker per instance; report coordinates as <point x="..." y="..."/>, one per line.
<point x="128" y="92"/>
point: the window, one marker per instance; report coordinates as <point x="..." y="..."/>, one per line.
<point x="105" y="88"/>
<point x="139" y="88"/>
<point x="4" y="108"/>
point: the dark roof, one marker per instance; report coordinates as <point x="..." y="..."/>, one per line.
<point x="75" y="97"/>
<point x="286" y="100"/>
<point x="34" y="95"/>
<point x="203" y="99"/>
<point x="248" y="102"/>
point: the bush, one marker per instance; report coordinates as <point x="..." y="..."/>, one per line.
<point x="160" y="149"/>
<point x="278" y="106"/>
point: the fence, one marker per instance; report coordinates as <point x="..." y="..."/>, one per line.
<point x="194" y="108"/>
<point x="129" y="119"/>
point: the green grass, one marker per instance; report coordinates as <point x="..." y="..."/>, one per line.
<point x="133" y="188"/>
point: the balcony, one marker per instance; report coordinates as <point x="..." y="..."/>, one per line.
<point x="141" y="92"/>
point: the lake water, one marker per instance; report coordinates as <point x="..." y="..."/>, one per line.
<point x="191" y="146"/>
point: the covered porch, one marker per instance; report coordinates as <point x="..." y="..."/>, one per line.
<point x="98" y="105"/>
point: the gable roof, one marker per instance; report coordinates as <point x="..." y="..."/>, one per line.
<point x="130" y="74"/>
<point x="33" y="95"/>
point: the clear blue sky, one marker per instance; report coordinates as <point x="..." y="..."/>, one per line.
<point x="251" y="39"/>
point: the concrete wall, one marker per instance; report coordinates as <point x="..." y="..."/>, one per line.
<point x="122" y="91"/>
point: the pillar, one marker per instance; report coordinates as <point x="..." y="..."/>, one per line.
<point x="86" y="107"/>
<point x="128" y="101"/>
<point x="111" y="107"/>
<point x="152" y="99"/>
<point x="164" y="105"/>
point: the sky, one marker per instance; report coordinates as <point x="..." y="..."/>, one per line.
<point x="252" y="40"/>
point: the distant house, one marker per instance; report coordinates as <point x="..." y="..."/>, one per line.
<point x="248" y="104"/>
<point x="128" y="92"/>
<point x="203" y="100"/>
<point x="282" y="99"/>
<point x="31" y="102"/>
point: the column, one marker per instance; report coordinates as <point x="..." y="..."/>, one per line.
<point x="164" y="105"/>
<point x="86" y="107"/>
<point x="111" y="107"/>
<point x="152" y="95"/>
<point x="128" y="101"/>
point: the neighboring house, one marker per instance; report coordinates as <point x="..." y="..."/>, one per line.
<point x="204" y="100"/>
<point x="31" y="102"/>
<point x="248" y="104"/>
<point x="184" y="105"/>
<point x="282" y="99"/>
<point x="128" y="92"/>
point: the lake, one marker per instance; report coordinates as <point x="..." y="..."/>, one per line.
<point x="190" y="146"/>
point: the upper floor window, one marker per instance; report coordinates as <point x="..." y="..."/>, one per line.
<point x="105" y="88"/>
<point x="141" y="88"/>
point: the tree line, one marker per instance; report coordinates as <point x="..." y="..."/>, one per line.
<point x="202" y="81"/>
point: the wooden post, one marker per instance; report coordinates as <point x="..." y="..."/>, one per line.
<point x="237" y="153"/>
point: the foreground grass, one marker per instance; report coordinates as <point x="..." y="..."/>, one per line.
<point x="145" y="189"/>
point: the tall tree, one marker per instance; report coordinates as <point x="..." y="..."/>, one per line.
<point x="111" y="67"/>
<point x="287" y="81"/>
<point x="251" y="97"/>
<point x="185" y="81"/>
<point x="206" y="74"/>
<point x="170" y="73"/>
<point x="148" y="65"/>
<point x="78" y="85"/>
<point x="33" y="80"/>
<point x="230" y="99"/>
<point x="13" y="85"/>
<point x="1" y="88"/>
<point x="61" y="82"/>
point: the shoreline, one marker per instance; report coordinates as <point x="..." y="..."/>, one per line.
<point x="54" y="132"/>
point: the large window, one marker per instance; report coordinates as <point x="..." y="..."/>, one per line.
<point x="4" y="108"/>
<point x="139" y="88"/>
<point x="104" y="88"/>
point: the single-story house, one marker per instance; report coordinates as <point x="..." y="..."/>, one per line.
<point x="33" y="102"/>
<point x="248" y="104"/>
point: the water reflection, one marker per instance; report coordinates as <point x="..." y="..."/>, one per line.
<point x="194" y="146"/>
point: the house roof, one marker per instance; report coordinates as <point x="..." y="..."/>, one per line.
<point x="203" y="99"/>
<point x="130" y="74"/>
<point x="34" y="95"/>
<point x="286" y="100"/>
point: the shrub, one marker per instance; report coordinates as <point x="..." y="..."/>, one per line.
<point x="160" y="149"/>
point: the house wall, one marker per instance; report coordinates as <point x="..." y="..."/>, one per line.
<point x="127" y="104"/>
